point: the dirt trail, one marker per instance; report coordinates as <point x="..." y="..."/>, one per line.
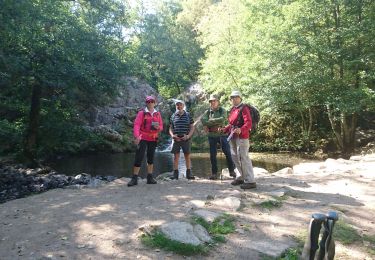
<point x="102" y="223"/>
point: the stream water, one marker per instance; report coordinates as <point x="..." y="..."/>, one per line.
<point x="121" y="164"/>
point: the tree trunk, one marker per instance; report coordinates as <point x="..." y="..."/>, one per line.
<point x="32" y="131"/>
<point x="349" y="123"/>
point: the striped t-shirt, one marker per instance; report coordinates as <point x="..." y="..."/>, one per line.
<point x="181" y="123"/>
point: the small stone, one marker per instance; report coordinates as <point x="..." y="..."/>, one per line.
<point x="81" y="246"/>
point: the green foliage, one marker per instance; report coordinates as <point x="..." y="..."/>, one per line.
<point x="10" y="136"/>
<point x="71" y="52"/>
<point x="302" y="59"/>
<point x="159" y="240"/>
<point x="167" y="51"/>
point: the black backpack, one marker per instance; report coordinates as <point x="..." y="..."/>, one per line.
<point x="255" y="116"/>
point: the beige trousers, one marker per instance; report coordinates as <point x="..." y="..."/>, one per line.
<point x="239" y="149"/>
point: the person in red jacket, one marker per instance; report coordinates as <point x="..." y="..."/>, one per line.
<point x="147" y="126"/>
<point x="239" y="141"/>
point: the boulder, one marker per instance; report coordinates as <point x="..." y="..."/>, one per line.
<point x="185" y="233"/>
<point x="229" y="203"/>
<point x="208" y="216"/>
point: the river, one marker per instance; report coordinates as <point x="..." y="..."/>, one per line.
<point x="121" y="164"/>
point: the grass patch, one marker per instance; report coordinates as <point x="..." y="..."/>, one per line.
<point x="159" y="240"/>
<point x="371" y="240"/>
<point x="220" y="226"/>
<point x="271" y="204"/>
<point x="275" y="202"/>
<point x="291" y="254"/>
<point x="345" y="233"/>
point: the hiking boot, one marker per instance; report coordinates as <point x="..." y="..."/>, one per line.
<point x="232" y="174"/>
<point x="237" y="182"/>
<point x="213" y="177"/>
<point x="150" y="179"/>
<point x="248" y="185"/>
<point x="175" y="174"/>
<point x="189" y="176"/>
<point x="133" y="181"/>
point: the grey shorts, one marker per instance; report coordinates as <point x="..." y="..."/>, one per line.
<point x="185" y="145"/>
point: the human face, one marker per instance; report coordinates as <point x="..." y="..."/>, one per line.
<point x="180" y="106"/>
<point x="214" y="104"/>
<point x="236" y="100"/>
<point x="150" y="104"/>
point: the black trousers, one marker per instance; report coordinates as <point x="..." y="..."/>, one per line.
<point x="139" y="154"/>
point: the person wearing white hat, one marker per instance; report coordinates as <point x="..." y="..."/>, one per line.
<point x="181" y="130"/>
<point x="239" y="143"/>
<point x="212" y="120"/>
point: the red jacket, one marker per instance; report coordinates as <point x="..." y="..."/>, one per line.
<point x="233" y="121"/>
<point x="142" y="125"/>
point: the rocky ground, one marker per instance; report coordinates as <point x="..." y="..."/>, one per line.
<point x="106" y="222"/>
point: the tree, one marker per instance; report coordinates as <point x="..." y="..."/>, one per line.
<point x="58" y="52"/>
<point x="301" y="57"/>
<point x="168" y="51"/>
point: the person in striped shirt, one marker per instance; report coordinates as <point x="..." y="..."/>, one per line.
<point x="181" y="130"/>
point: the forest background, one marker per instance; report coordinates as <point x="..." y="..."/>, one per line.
<point x="307" y="65"/>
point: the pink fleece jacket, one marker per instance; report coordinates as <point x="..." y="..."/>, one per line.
<point x="143" y="129"/>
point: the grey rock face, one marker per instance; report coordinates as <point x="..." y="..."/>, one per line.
<point x="131" y="98"/>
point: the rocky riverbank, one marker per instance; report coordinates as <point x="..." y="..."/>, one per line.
<point x="17" y="181"/>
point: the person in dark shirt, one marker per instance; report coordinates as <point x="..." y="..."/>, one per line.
<point x="212" y="120"/>
<point x="181" y="130"/>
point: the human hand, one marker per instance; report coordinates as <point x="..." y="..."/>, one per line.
<point x="205" y="128"/>
<point x="137" y="140"/>
<point x="176" y="138"/>
<point x="185" y="137"/>
<point x="237" y="131"/>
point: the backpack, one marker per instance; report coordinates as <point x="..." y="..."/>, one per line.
<point x="255" y="116"/>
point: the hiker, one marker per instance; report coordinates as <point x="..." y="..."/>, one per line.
<point x="239" y="141"/>
<point x="214" y="119"/>
<point x="181" y="130"/>
<point x="147" y="126"/>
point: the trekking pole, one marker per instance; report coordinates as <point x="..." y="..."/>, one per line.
<point x="221" y="160"/>
<point x="311" y="244"/>
<point x="327" y="244"/>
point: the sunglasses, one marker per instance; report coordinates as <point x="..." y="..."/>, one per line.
<point x="151" y="101"/>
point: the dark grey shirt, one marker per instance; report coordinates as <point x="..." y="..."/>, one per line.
<point x="181" y="123"/>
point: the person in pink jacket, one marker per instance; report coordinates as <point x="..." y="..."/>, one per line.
<point x="147" y="126"/>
